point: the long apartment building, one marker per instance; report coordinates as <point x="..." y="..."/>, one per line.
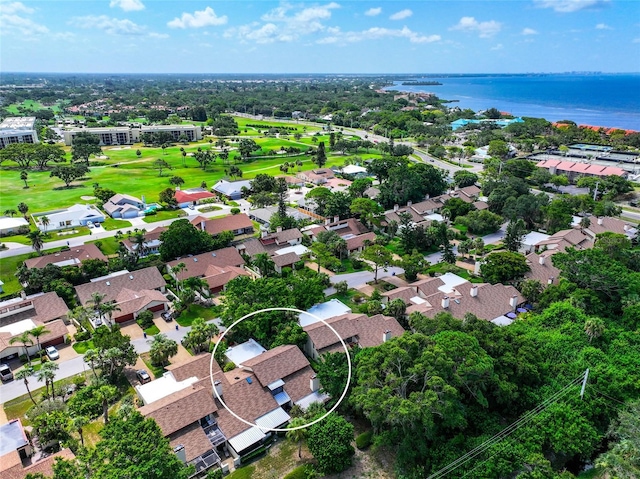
<point x="20" y="129"/>
<point x="125" y="135"/>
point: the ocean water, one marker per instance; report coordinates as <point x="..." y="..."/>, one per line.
<point x="593" y="99"/>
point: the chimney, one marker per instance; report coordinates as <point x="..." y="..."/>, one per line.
<point x="395" y="207"/>
<point x="513" y="301"/>
<point x="541" y="259"/>
<point x="600" y="221"/>
<point x="445" y="302"/>
<point x="336" y="219"/>
<point x="474" y="291"/>
<point x="626" y="227"/>
<point x="409" y="203"/>
<point x="279" y="229"/>
<point x="203" y="225"/>
<point x="386" y="336"/>
<point x="327" y="221"/>
<point x="314" y="383"/>
<point x="550" y="280"/>
<point x="218" y="386"/>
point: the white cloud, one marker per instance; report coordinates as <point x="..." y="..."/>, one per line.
<point x="484" y="29"/>
<point x="603" y="26"/>
<point x="401" y="15"/>
<point x="12" y="20"/>
<point x="285" y="23"/>
<point x="376" y="33"/>
<point x="128" y="5"/>
<point x="112" y="26"/>
<point x="499" y="46"/>
<point x="158" y="35"/>
<point x="198" y="19"/>
<point x="568" y="6"/>
<point x="636" y="40"/>
<point x="529" y="31"/>
<point x="372" y="12"/>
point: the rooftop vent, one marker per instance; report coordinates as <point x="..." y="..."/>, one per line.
<point x="213" y="254"/>
<point x="249" y="380"/>
<point x="108" y="283"/>
<point x="195" y="260"/>
<point x="131" y="276"/>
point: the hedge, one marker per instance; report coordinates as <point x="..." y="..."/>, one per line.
<point x="364" y="440"/>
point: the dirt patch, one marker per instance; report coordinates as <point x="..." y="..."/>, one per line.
<point x="365" y="466"/>
<point x="87" y="198"/>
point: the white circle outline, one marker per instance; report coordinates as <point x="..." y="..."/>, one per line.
<point x="263" y="428"/>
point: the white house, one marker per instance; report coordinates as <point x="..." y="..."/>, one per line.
<point x="124" y="206"/>
<point x="76" y="215"/>
<point x="12" y="225"/>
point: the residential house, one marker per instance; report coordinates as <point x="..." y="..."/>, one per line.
<point x="124" y="206"/>
<point x="541" y="268"/>
<point x="192" y="196"/>
<point x="283" y="246"/>
<point x="72" y="257"/>
<point x="16" y="460"/>
<point x="24" y="314"/>
<point x="576" y="170"/>
<point x="264" y="215"/>
<point x="356" y="244"/>
<point x="292" y="180"/>
<point x="239" y="224"/>
<point x="344" y="228"/>
<point x="76" y="215"/>
<point x="530" y="240"/>
<point x="317" y="177"/>
<point x="151" y="244"/>
<point x="574" y="238"/>
<point x="353" y="329"/>
<point x="133" y="292"/>
<point x="231" y="189"/>
<point x="607" y="224"/>
<point x="9" y="226"/>
<point x="217" y="268"/>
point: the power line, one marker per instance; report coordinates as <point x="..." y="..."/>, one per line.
<point x="527" y="417"/>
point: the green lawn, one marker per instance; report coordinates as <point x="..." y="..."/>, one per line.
<point x="152" y="331"/>
<point x="8" y="267"/>
<point x="108" y="246"/>
<point x="82" y="346"/>
<point x="164" y="215"/>
<point x="111" y="224"/>
<point x="196" y="311"/>
<point x="156" y="371"/>
<point x="245" y="472"/>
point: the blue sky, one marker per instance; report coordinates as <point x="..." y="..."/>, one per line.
<point x="245" y="36"/>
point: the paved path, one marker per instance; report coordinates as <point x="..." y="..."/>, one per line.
<point x="363" y="277"/>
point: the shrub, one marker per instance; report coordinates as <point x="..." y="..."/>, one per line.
<point x="85" y="402"/>
<point x="229" y="367"/>
<point x="82" y="336"/>
<point x="145" y="319"/>
<point x="341" y="287"/>
<point x="357" y="297"/>
<point x="235" y="211"/>
<point x="356" y="263"/>
<point x="364" y="440"/>
<point x="299" y="265"/>
<point x="214" y="474"/>
<point x="79" y="381"/>
<point x="302" y="472"/>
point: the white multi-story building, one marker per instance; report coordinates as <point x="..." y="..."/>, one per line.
<point x="124" y="135"/>
<point x="19" y="129"/>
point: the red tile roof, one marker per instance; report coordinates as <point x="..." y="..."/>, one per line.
<point x="226" y="223"/>
<point x="77" y="254"/>
<point x="184" y="196"/>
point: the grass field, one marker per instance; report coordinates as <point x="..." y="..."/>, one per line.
<point x="8" y="267"/>
<point x="108" y="246"/>
<point x="195" y="311"/>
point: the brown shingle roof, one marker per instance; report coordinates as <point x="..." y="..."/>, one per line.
<point x="358" y="241"/>
<point x="285" y="236"/>
<point x="194" y="440"/>
<point x="321" y="336"/>
<point x="195" y="366"/>
<point x="181" y="408"/>
<point x="197" y="266"/>
<point x="76" y="254"/>
<point x="147" y="278"/>
<point x="372" y="329"/>
<point x="153" y="235"/>
<point x="44" y="466"/>
<point x="542" y="272"/>
<point x="226" y="223"/>
<point x="277" y="363"/>
<point x="282" y="260"/>
<point x="297" y="385"/>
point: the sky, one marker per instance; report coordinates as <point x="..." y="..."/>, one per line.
<point x="245" y="36"/>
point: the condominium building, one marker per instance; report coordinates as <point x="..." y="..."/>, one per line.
<point x="125" y="135"/>
<point x="18" y="130"/>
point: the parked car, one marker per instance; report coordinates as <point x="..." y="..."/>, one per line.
<point x="143" y="376"/>
<point x="90" y="224"/>
<point x="52" y="353"/>
<point x="5" y="373"/>
<point x="167" y="316"/>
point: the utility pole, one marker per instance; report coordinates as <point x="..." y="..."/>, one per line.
<point x="584" y="383"/>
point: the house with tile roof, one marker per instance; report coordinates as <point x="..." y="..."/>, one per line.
<point x="284" y="247"/>
<point x="133" y="292"/>
<point x="354" y="329"/>
<point x="71" y="257"/>
<point x="25" y="313"/>
<point x="217" y="267"/>
<point x="318" y="176"/>
<point x="124" y="206"/>
<point x="605" y="224"/>
<point x="152" y="242"/>
<point x="192" y="196"/>
<point x="576" y="170"/>
<point x="541" y="268"/>
<point x="239" y="224"/>
<point x="570" y="238"/>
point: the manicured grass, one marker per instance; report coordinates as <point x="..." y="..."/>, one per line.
<point x="8" y="267"/>
<point x="22" y="239"/>
<point x="346" y="298"/>
<point x="108" y="246"/>
<point x="195" y="311"/>
<point x="111" y="224"/>
<point x="207" y="209"/>
<point x="91" y="432"/>
<point x="82" y="346"/>
<point x="164" y="215"/>
<point x="157" y="371"/>
<point x="348" y="265"/>
<point x="242" y="473"/>
<point x="151" y="331"/>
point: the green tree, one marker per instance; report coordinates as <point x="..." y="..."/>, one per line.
<point x="413" y="264"/>
<point x="176" y="180"/>
<point x="368" y="210"/>
<point x="78" y="423"/>
<point x="330" y="443"/>
<point x="531" y="289"/>
<point x="463" y="178"/>
<point x="23" y="375"/>
<point x="24" y="339"/>
<point x="594" y="328"/>
<point x="498" y="149"/>
<point x="298" y="435"/>
<point x="70" y="173"/>
<point x="320" y="157"/>
<point x="84" y="145"/>
<point x="160" y="165"/>
<point x="106" y="393"/>
<point x="504" y="267"/>
<point x="516" y="231"/>
<point x="246" y="147"/>
<point x="623" y="457"/>
<point x="23" y="208"/>
<point x="37" y="240"/>
<point x="359" y="186"/>
<point x="264" y="263"/>
<point x="379" y="256"/>
<point x="23" y="176"/>
<point x="37" y="333"/>
<point x="182" y="238"/>
<point x="200" y="336"/>
<point x="333" y="372"/>
<point x="52" y="426"/>
<point x="47" y="373"/>
<point x="162" y="348"/>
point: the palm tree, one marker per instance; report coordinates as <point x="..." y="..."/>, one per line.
<point x="23" y="176"/>
<point x="23" y="208"/>
<point x="10" y="212"/>
<point x="24" y="339"/>
<point x="139" y="243"/>
<point x="36" y="238"/>
<point x="297" y="435"/>
<point x="197" y="284"/>
<point x="45" y="222"/>
<point x="37" y="332"/>
<point x="47" y="373"/>
<point x="108" y="309"/>
<point x="96" y="300"/>
<point x="593" y="328"/>
<point x="162" y="348"/>
<point x="105" y="394"/>
<point x="24" y="374"/>
<point x="78" y="423"/>
<point x="90" y="356"/>
<point x="264" y="264"/>
<point x="176" y="270"/>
